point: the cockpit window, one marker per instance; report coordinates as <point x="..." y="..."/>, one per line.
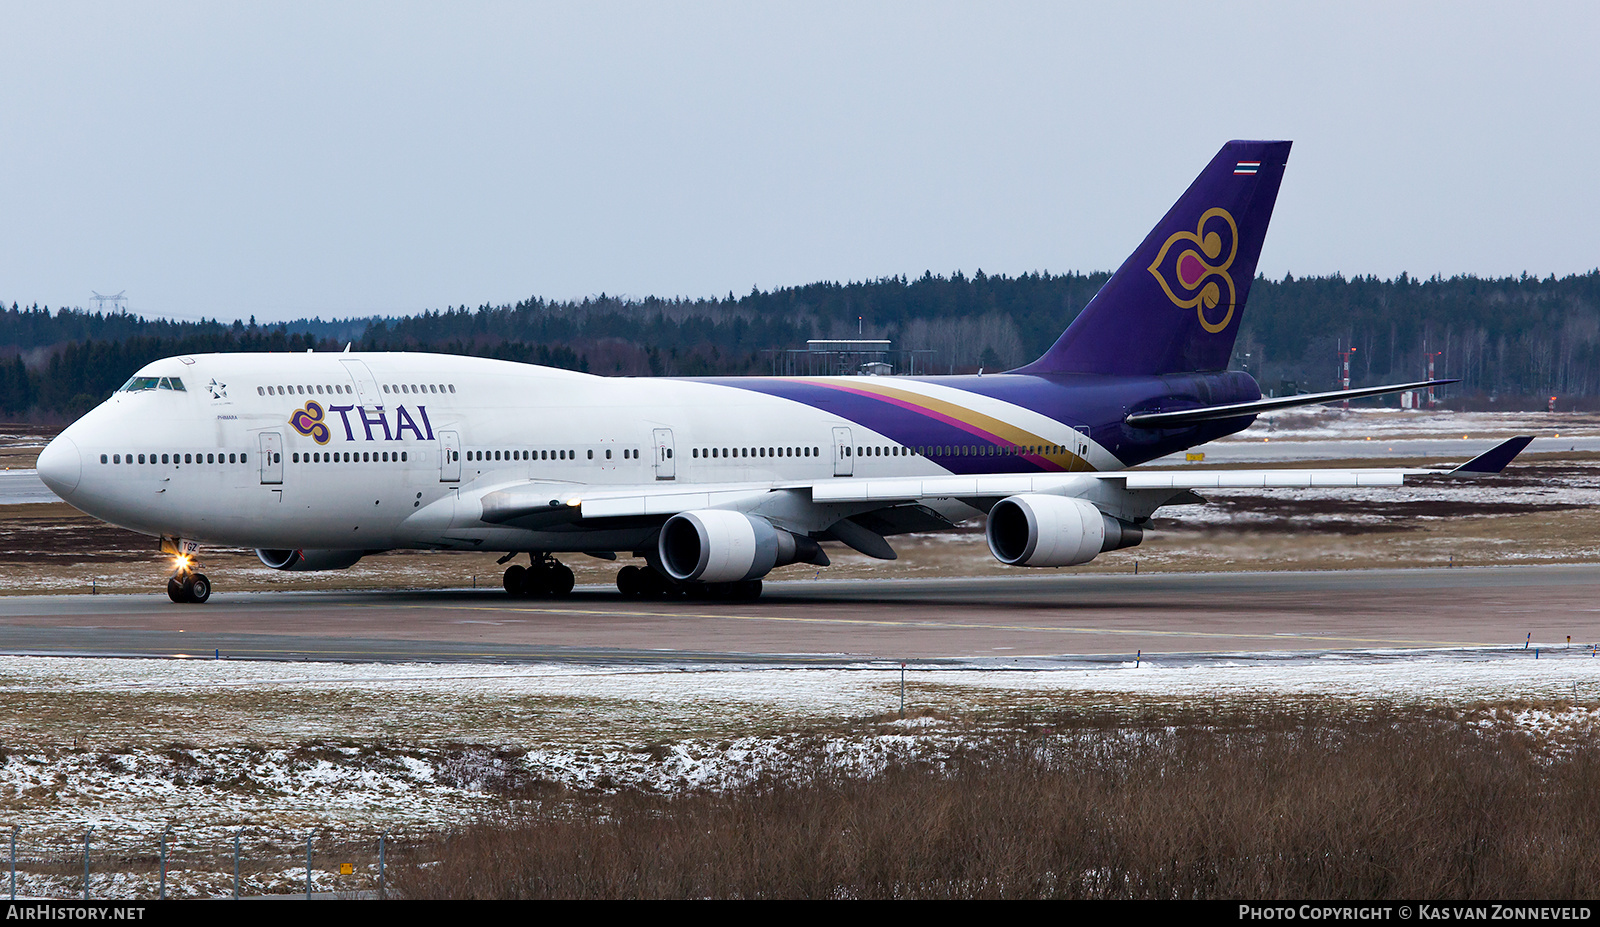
<point x="136" y="384"/>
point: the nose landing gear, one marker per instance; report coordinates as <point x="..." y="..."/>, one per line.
<point x="189" y="587"/>
<point x="544" y="577"/>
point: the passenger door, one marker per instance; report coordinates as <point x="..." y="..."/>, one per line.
<point x="843" y="463"/>
<point x="449" y="457"/>
<point x="666" y="468"/>
<point x="1079" y="449"/>
<point x="271" y="458"/>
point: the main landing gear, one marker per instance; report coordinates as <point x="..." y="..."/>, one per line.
<point x="544" y="577"/>
<point x="646" y="583"/>
<point x="189" y="587"/>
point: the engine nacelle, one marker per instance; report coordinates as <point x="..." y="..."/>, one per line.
<point x="718" y="546"/>
<point x="1038" y="530"/>
<point x="306" y="561"/>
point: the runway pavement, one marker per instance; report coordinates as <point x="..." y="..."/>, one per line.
<point x="1044" y="621"/>
<point x="18" y="487"/>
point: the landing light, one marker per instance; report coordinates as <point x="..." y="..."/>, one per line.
<point x="574" y="502"/>
<point x="181" y="561"/>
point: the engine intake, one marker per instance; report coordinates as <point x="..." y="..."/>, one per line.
<point x="717" y="546"/>
<point x="307" y="561"/>
<point x="1038" y="530"/>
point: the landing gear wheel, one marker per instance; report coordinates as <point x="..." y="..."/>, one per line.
<point x="747" y="590"/>
<point x="198" y="587"/>
<point x="538" y="583"/>
<point x="546" y="578"/>
<point x="628" y="582"/>
<point x="189" y="588"/>
<point x="561" y="580"/>
<point x="652" y="585"/>
<point x="643" y="583"/>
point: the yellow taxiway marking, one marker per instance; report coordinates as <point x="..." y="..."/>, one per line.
<point x="960" y="626"/>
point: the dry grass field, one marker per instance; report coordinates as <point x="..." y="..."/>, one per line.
<point x="1270" y="804"/>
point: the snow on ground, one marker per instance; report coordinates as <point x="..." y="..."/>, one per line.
<point x="176" y="749"/>
<point x="841" y="692"/>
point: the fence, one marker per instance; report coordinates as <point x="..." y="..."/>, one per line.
<point x="101" y="863"/>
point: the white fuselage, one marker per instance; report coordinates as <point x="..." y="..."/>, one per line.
<point x="379" y="451"/>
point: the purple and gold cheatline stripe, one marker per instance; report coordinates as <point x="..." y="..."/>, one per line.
<point x="985" y="428"/>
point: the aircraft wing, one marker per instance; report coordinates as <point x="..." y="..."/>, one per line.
<point x="543" y="504"/>
<point x="533" y="504"/>
<point x="1487" y="463"/>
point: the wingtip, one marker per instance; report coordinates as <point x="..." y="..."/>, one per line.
<point x="1496" y="458"/>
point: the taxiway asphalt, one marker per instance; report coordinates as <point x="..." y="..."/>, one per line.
<point x="1045" y="621"/>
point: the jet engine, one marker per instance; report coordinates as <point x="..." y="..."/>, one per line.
<point x="306" y="561"/>
<point x="1038" y="530"/>
<point x="717" y="546"/>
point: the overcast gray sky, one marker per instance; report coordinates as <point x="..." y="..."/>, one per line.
<point x="286" y="160"/>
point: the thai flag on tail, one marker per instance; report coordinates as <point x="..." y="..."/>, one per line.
<point x="1247" y="167"/>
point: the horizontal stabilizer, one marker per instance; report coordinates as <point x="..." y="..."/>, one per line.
<point x="1496" y="458"/>
<point x="1184" y="417"/>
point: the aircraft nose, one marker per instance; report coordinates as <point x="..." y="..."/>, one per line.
<point x="61" y="466"/>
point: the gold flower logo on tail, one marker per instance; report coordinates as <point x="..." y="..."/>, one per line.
<point x="1195" y="274"/>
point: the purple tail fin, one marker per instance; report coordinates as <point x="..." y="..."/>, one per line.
<point x="1174" y="305"/>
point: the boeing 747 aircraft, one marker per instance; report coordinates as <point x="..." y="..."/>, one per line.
<point x="315" y="460"/>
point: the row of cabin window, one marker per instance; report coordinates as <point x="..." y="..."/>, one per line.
<point x="174" y="458"/>
<point x="967" y="450"/>
<point x="353" y="457"/>
<point x="313" y="390"/>
<point x="419" y="388"/>
<point x="320" y="389"/>
<point x="631" y="453"/>
<point x="717" y="452"/>
<point x="960" y="450"/>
